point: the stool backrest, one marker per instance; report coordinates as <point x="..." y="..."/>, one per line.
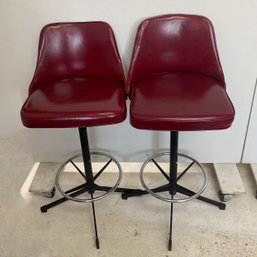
<point x="175" y="43"/>
<point x="77" y="49"/>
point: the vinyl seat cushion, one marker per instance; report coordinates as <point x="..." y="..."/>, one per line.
<point x="180" y="102"/>
<point x="75" y="102"/>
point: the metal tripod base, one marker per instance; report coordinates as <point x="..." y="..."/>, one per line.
<point x="180" y="189"/>
<point x="89" y="185"/>
<point x="76" y="191"/>
<point x="172" y="186"/>
<point x="166" y="187"/>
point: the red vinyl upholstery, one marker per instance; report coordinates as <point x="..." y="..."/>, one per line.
<point x="78" y="81"/>
<point x="175" y="81"/>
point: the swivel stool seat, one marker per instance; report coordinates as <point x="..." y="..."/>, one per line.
<point x="176" y="83"/>
<point x="78" y="83"/>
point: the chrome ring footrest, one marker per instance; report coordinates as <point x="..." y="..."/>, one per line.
<point x="93" y="199"/>
<point x="176" y="200"/>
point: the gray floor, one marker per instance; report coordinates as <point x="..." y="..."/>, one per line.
<point x="136" y="227"/>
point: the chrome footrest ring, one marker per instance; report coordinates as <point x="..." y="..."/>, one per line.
<point x="178" y="200"/>
<point x="87" y="200"/>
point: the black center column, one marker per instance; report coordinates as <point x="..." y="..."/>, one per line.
<point x="86" y="159"/>
<point x="173" y="161"/>
<point x="173" y="176"/>
<point x="89" y="174"/>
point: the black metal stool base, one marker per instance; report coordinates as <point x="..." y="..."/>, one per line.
<point x="172" y="187"/>
<point x="89" y="185"/>
<point x="165" y="188"/>
<point x="78" y="190"/>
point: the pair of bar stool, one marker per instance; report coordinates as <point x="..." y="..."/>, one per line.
<point x="175" y="83"/>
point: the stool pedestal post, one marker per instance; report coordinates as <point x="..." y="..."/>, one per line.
<point x="86" y="159"/>
<point x="173" y="176"/>
<point x="173" y="161"/>
<point x="89" y="174"/>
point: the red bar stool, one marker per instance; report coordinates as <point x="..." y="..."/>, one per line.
<point x="78" y="83"/>
<point x="176" y="83"/>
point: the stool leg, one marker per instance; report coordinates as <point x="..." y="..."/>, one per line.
<point x="138" y="192"/>
<point x="79" y="190"/>
<point x="185" y="191"/>
<point x="97" y="242"/>
<point x="173" y="177"/>
<point x="107" y="188"/>
<point x="171" y="218"/>
<point x="89" y="174"/>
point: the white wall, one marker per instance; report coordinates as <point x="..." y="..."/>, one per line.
<point x="235" y="25"/>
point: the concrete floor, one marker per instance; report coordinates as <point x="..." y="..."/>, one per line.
<point x="137" y="227"/>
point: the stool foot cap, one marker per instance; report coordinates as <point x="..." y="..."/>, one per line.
<point x="97" y="243"/>
<point x="170" y="245"/>
<point x="43" y="208"/>
<point x="222" y="206"/>
<point x="124" y="196"/>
